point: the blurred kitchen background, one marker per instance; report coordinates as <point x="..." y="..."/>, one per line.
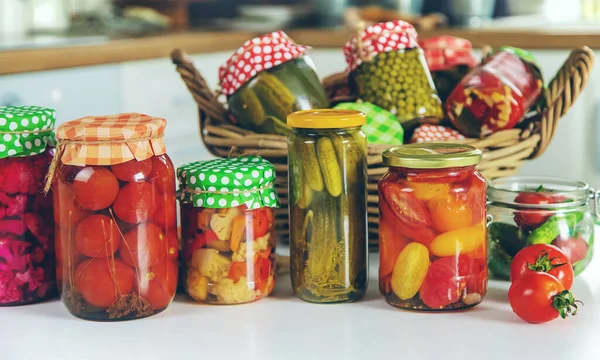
<point x="95" y="57"/>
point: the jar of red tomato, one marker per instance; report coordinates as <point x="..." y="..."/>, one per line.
<point x="27" y="258"/>
<point x="432" y="227"/>
<point x="228" y="229"/>
<point x="529" y="210"/>
<point x="115" y="214"/>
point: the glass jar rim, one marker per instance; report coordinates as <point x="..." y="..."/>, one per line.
<point x="503" y="191"/>
<point x="431" y="156"/>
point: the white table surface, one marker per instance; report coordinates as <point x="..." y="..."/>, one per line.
<point x="283" y="327"/>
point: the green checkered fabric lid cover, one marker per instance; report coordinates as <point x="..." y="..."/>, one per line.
<point x="26" y="130"/>
<point x="382" y="127"/>
<point x="225" y="183"/>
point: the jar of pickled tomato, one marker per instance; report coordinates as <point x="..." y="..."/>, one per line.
<point x="228" y="229"/>
<point x="27" y="261"/>
<point x="116" y="217"/>
<point x="432" y="227"/>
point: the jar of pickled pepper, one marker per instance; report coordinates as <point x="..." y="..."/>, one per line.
<point x="228" y="229"/>
<point x="116" y="217"/>
<point x="387" y="68"/>
<point x="328" y="205"/>
<point x="27" y="260"/>
<point x="496" y="94"/>
<point x="267" y="79"/>
<point x="432" y="227"/>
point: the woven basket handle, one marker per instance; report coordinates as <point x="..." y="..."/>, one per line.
<point x="562" y="92"/>
<point x="207" y="101"/>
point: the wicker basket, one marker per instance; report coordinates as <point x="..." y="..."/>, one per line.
<point x="503" y="152"/>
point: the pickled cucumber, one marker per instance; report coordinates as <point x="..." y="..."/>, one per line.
<point x="252" y="106"/>
<point x="551" y="229"/>
<point x="310" y="166"/>
<point x="275" y="94"/>
<point x="330" y="168"/>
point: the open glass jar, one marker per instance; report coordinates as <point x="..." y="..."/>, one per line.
<point x="539" y="210"/>
<point x="432" y="227"/>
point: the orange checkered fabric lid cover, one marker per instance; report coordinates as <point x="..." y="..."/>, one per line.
<point x="111" y="140"/>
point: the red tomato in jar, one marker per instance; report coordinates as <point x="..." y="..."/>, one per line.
<point x="66" y="252"/>
<point x="391" y="243"/>
<point x="165" y="214"/>
<point x="446" y="279"/>
<point x="95" y="188"/>
<point x="538" y="297"/>
<point x="67" y="212"/>
<point x="173" y="243"/>
<point x="575" y="248"/>
<point x="449" y="213"/>
<point x="532" y="217"/>
<point x="260" y="223"/>
<point x="136" y="202"/>
<point x="132" y="170"/>
<point x="542" y="258"/>
<point x="97" y="236"/>
<point x="102" y="281"/>
<point x="423" y="235"/>
<point x="158" y="284"/>
<point x="144" y="246"/>
<point x="162" y="175"/>
<point x="405" y="206"/>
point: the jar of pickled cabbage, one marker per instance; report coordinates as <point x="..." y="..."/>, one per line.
<point x="27" y="261"/>
<point x="267" y="79"/>
<point x="432" y="227"/>
<point x="529" y="210"/>
<point x="228" y="229"/>
<point x="387" y="68"/>
<point x="116" y="217"/>
<point x="328" y="205"/>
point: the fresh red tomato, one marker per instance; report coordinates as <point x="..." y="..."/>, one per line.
<point x="95" y="188"/>
<point x="420" y="234"/>
<point x="102" y="281"/>
<point x="144" y="246"/>
<point x="532" y="217"/>
<point x="449" y="213"/>
<point x="132" y="170"/>
<point x="158" y="284"/>
<point x="237" y="271"/>
<point x="405" y="206"/>
<point x="260" y="222"/>
<point x="193" y="244"/>
<point x="97" y="236"/>
<point x="446" y="279"/>
<point x="542" y="258"/>
<point x="575" y="248"/>
<point x="136" y="202"/>
<point x="538" y="297"/>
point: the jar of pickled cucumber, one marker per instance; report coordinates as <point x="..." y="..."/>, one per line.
<point x="115" y="217"/>
<point x="387" y="68"/>
<point x="228" y="229"/>
<point x="267" y="79"/>
<point x="432" y="227"/>
<point x="327" y="181"/>
<point x="449" y="59"/>
<point x="527" y="211"/>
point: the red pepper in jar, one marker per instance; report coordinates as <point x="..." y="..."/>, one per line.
<point x="495" y="95"/>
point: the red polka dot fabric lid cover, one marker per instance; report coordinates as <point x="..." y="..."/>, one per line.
<point x="378" y="38"/>
<point x="445" y="52"/>
<point x="256" y="55"/>
<point x="427" y="133"/>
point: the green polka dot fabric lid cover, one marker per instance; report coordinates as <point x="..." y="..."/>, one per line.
<point x="26" y="130"/>
<point x="226" y="183"/>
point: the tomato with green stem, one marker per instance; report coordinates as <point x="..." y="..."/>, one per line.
<point x="543" y="258"/>
<point x="538" y="297"/>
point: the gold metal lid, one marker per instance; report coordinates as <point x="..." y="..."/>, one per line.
<point x="432" y="156"/>
<point x="326" y="119"/>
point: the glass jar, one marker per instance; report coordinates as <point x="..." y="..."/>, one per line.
<point x="539" y="210"/>
<point x="116" y="217"/>
<point x="27" y="258"/>
<point x="387" y="68"/>
<point x="228" y="229"/>
<point x="432" y="227"/>
<point x="267" y="79"/>
<point x="328" y="205"/>
<point x="496" y="94"/>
